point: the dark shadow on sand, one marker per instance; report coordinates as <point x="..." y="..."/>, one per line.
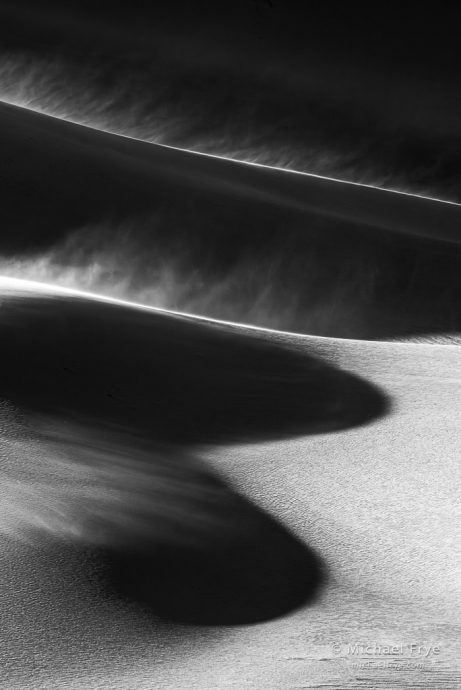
<point x="254" y="572"/>
<point x="174" y="379"/>
<point x="182" y="383"/>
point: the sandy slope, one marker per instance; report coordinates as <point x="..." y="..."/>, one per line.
<point x="94" y="395"/>
<point x="141" y="451"/>
<point x="220" y="238"/>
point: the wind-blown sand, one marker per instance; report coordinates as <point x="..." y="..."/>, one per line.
<point x="187" y="503"/>
<point x="91" y="459"/>
<point x="218" y="238"/>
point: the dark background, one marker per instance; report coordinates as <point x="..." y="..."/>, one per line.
<point x="363" y="93"/>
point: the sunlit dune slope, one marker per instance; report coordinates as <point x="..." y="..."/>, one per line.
<point x="223" y="239"/>
<point x="337" y="450"/>
<point x="104" y="410"/>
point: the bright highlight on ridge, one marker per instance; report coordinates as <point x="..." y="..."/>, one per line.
<point x="46" y="287"/>
<point x="35" y="286"/>
<point x="235" y="160"/>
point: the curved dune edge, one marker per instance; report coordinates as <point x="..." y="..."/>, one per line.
<point x="377" y="502"/>
<point x="117" y="404"/>
<point x="19" y="286"/>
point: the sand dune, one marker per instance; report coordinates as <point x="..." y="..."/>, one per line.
<point x="114" y="164"/>
<point x="118" y="401"/>
<point x="127" y="432"/>
<point x="190" y="503"/>
<point x="230" y="394"/>
<point x="222" y="239"/>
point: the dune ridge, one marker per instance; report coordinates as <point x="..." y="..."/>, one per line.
<point x="221" y="239"/>
<point x="230" y="392"/>
<point x="388" y="210"/>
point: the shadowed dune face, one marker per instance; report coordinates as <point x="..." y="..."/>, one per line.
<point x="208" y="236"/>
<point x="119" y="401"/>
<point x="253" y="576"/>
<point x="187" y="86"/>
<point x="171" y="378"/>
<point x="161" y="475"/>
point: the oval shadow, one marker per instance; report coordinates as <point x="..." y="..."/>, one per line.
<point x="254" y="573"/>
